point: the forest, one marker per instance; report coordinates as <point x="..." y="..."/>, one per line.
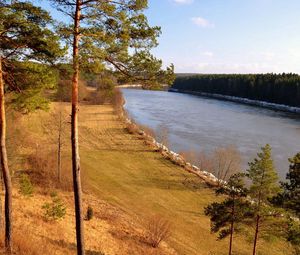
<point x="273" y="88"/>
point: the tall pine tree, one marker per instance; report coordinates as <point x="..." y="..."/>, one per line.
<point x="103" y="33"/>
<point x="24" y="36"/>
<point x="227" y="216"/>
<point x="291" y="188"/>
<point x="264" y="185"/>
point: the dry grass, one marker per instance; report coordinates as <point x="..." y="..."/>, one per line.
<point x="25" y="244"/>
<point x="131" y="181"/>
<point x="42" y="169"/>
<point x="158" y="230"/>
<point x="124" y="171"/>
<point x="118" y="233"/>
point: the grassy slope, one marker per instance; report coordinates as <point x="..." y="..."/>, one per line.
<point x="126" y="172"/>
<point x="128" y="175"/>
<point x="112" y="230"/>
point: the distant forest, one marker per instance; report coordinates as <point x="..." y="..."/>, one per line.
<point x="274" y="88"/>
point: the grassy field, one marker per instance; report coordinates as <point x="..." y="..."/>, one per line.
<point x="124" y="171"/>
<point x="120" y="169"/>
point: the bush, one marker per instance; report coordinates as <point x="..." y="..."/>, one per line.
<point x="26" y="187"/>
<point x="89" y="213"/>
<point x="118" y="101"/>
<point x="131" y="128"/>
<point x="64" y="91"/>
<point x="56" y="209"/>
<point x="100" y="97"/>
<point x="158" y="230"/>
<point x="293" y="235"/>
<point x="106" y="82"/>
<point x="43" y="169"/>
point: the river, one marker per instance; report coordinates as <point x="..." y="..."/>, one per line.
<point x="203" y="124"/>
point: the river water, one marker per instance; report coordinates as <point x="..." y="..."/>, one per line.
<point x="203" y="124"/>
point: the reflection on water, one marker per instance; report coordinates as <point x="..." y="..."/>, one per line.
<point x="198" y="123"/>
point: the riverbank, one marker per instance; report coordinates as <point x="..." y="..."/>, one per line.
<point x="128" y="172"/>
<point x="272" y="106"/>
<point x="166" y="152"/>
<point x="172" y="156"/>
<point x="134" y="181"/>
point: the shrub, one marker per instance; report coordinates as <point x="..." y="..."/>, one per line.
<point x="293" y="235"/>
<point x="131" y="128"/>
<point x="64" y="91"/>
<point x="89" y="213"/>
<point x="100" y="97"/>
<point x="54" y="210"/>
<point x="26" y="187"/>
<point x="158" y="230"/>
<point x="43" y="169"/>
<point x="118" y="101"/>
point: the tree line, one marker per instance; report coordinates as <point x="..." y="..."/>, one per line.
<point x="274" y="88"/>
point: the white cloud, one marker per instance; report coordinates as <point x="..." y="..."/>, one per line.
<point x="183" y="1"/>
<point x="268" y="55"/>
<point x="223" y="67"/>
<point x="201" y="22"/>
<point x="294" y="52"/>
<point x="208" y="54"/>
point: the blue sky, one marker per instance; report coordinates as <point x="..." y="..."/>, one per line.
<point x="228" y="36"/>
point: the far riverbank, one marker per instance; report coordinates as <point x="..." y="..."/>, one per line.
<point x="272" y="106"/>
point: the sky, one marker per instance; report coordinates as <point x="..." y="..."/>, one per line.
<point x="227" y="36"/>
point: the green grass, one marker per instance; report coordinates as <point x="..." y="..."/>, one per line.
<point x="122" y="170"/>
<point x="126" y="172"/>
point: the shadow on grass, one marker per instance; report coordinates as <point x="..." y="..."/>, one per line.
<point x="126" y="235"/>
<point x="178" y="184"/>
<point x="73" y="247"/>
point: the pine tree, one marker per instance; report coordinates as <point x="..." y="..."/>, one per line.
<point x="227" y="216"/>
<point x="289" y="199"/>
<point x="291" y="188"/>
<point x="102" y="33"/>
<point x="24" y="36"/>
<point x="264" y="185"/>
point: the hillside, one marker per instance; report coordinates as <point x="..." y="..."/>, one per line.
<point x="126" y="182"/>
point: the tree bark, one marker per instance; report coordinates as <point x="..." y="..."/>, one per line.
<point x="59" y="145"/>
<point x="258" y="214"/>
<point x="5" y="169"/>
<point x="74" y="136"/>
<point x="59" y="159"/>
<point x="256" y="234"/>
<point x="232" y="227"/>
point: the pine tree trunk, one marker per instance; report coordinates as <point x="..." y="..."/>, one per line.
<point x="231" y="228"/>
<point x="59" y="159"/>
<point x="74" y="137"/>
<point x="5" y="169"/>
<point x="59" y="148"/>
<point x="256" y="234"/>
